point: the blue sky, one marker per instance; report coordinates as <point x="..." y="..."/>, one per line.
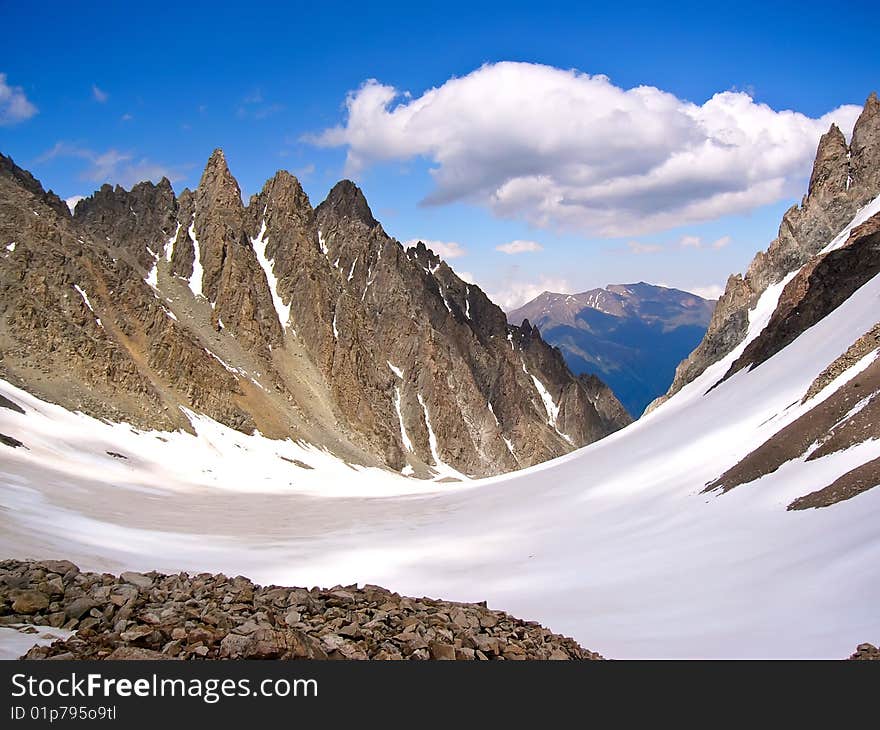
<point x="612" y="185"/>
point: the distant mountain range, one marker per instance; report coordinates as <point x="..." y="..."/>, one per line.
<point x="631" y="335"/>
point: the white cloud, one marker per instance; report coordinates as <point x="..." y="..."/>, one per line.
<point x="567" y="150"/>
<point x="642" y="248"/>
<point x="113" y="166"/>
<point x="73" y="200"/>
<point x="711" y="291"/>
<point x="697" y="242"/>
<point x="126" y="117"/>
<point x="99" y="95"/>
<point x="518" y="246"/>
<point x="513" y="294"/>
<point x="444" y="249"/>
<point x="14" y="105"/>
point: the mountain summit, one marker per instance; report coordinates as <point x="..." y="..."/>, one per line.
<point x="631" y="335"/>
<point x="307" y="324"/>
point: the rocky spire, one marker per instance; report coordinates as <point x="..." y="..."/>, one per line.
<point x="346" y="200"/>
<point x="831" y="168"/>
<point x="865" y="150"/>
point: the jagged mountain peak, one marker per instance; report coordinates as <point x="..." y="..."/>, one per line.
<point x="283" y="194"/>
<point x="346" y="200"/>
<point x="218" y="183"/>
<point x="425" y="256"/>
<point x="831" y="166"/>
<point x="313" y="325"/>
<point x="865" y="150"/>
<point x="24" y="178"/>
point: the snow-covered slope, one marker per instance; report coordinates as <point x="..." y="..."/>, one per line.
<point x="615" y="544"/>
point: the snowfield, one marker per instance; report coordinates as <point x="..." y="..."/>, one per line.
<point x="614" y="544"/>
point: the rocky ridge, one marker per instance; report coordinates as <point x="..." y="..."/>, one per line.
<point x="205" y="616"/>
<point x="845" y="418"/>
<point x="305" y="323"/>
<point x="844" y="179"/>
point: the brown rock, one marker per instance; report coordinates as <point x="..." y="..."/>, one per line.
<point x="442" y="651"/>
<point x="29" y="601"/>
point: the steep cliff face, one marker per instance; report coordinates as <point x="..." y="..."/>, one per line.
<point x="845" y="178"/>
<point x="310" y="324"/>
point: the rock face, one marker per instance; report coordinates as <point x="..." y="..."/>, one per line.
<point x="844" y="418"/>
<point x="866" y="652"/>
<point x="631" y="335"/>
<point x="206" y="616"/>
<point x="302" y="323"/>
<point x="844" y="179"/>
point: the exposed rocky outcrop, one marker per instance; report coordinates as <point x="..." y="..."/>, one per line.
<point x="864" y="477"/>
<point x="847" y="417"/>
<point x="816" y="290"/>
<point x="844" y="179"/>
<point x="866" y="651"/>
<point x="302" y="323"/>
<point x="867" y="343"/>
<point x="156" y="616"/>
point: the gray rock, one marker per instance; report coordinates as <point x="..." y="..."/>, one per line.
<point x="79" y="607"/>
<point x="140" y="580"/>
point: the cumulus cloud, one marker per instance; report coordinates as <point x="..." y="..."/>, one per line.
<point x="568" y="150"/>
<point x="73" y="200"/>
<point x="112" y="166"/>
<point x="518" y="246"/>
<point x="98" y="95"/>
<point x="14" y="105"/>
<point x="444" y="249"/>
<point x="697" y="242"/>
<point x="513" y="293"/>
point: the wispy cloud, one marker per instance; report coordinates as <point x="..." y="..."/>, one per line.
<point x="444" y="249"/>
<point x="639" y="248"/>
<point x="112" y="165"/>
<point x="255" y="106"/>
<point x="14" y="105"/>
<point x="99" y="95"/>
<point x="698" y="242"/>
<point x="519" y="246"/>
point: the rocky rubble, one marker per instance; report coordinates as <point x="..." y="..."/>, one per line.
<point x="205" y="616"/>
